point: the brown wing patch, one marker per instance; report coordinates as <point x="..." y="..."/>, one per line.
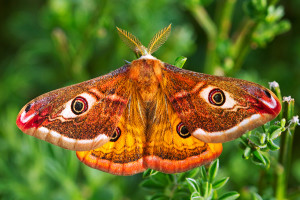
<point x="166" y="150"/>
<point x="183" y="89"/>
<point x="123" y="155"/>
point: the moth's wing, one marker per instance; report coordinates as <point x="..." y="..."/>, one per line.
<point x="51" y="116"/>
<point x="166" y="150"/>
<point x="247" y="106"/>
<point x="123" y="155"/>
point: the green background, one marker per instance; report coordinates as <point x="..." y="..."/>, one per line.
<point x="45" y="45"/>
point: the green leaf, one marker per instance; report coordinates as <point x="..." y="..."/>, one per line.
<point x="244" y="138"/>
<point x="156" y="181"/>
<point x="203" y="173"/>
<point x="274" y="14"/>
<point x="276" y="133"/>
<point x="196" y="196"/>
<point x="161" y="178"/>
<point x="182" y="194"/>
<point x="193" y="185"/>
<point x="263" y="138"/>
<point x="220" y="183"/>
<point x="213" y="170"/>
<point x="282" y="122"/>
<point x="229" y="196"/>
<point x="272" y="146"/>
<point x="206" y="188"/>
<point x="256" y="196"/>
<point x="255" y="139"/>
<point x="242" y="145"/>
<point x="159" y="196"/>
<point x="258" y="158"/>
<point x="189" y="174"/>
<point x="267" y="161"/>
<point x="147" y="173"/>
<point x="180" y="61"/>
<point x="151" y="184"/>
<point x="247" y="153"/>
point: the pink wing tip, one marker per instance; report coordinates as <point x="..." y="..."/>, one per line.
<point x="29" y="117"/>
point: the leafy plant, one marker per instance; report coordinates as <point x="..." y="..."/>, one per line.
<point x="197" y="184"/>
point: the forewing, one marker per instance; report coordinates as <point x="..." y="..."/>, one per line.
<point x="52" y="116"/>
<point x="247" y="105"/>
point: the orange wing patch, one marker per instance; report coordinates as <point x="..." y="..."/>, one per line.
<point x="123" y="155"/>
<point x="151" y="136"/>
<point x="170" y="147"/>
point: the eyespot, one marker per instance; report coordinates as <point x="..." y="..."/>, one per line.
<point x="182" y="130"/>
<point x="267" y="93"/>
<point x="79" y="105"/>
<point x="116" y="135"/>
<point x="28" y="108"/>
<point x="216" y="97"/>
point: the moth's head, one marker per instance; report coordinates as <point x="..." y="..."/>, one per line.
<point x="232" y="106"/>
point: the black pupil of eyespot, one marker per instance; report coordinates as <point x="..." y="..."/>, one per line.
<point x="78" y="106"/>
<point x="218" y="98"/>
<point x="267" y="93"/>
<point x="184" y="130"/>
<point x="27" y="107"/>
<point x="116" y="135"/>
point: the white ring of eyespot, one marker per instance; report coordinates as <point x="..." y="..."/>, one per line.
<point x="229" y="101"/>
<point x="67" y="113"/>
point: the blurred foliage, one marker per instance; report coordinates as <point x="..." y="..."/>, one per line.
<point x="45" y="45"/>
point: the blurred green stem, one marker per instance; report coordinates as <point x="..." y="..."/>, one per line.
<point x="223" y="17"/>
<point x="284" y="161"/>
<point x="210" y="29"/>
<point x="242" y="43"/>
<point x="214" y="32"/>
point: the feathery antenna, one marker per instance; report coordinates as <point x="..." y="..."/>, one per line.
<point x="132" y="42"/>
<point x="159" y="39"/>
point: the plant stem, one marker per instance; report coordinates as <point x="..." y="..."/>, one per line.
<point x="242" y="43"/>
<point x="210" y="29"/>
<point x="223" y="17"/>
<point x="286" y="143"/>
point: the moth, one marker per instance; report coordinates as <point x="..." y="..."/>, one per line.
<point x="148" y="114"/>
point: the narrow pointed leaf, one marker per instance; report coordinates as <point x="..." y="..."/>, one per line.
<point x="272" y="146"/>
<point x="220" y="183"/>
<point x="204" y="188"/>
<point x="247" y="153"/>
<point x="256" y="196"/>
<point x="276" y="133"/>
<point x="258" y="158"/>
<point x="230" y="196"/>
<point x="213" y="170"/>
<point x="193" y="185"/>
<point x="196" y="196"/>
<point x="203" y="173"/>
<point x="180" y="61"/>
